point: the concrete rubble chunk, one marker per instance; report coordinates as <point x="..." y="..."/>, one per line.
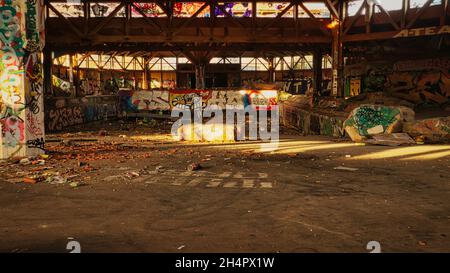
<point x="370" y="120"/>
<point x="432" y="130"/>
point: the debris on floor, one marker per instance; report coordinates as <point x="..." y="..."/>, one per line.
<point x="395" y="139"/>
<point x="194" y="167"/>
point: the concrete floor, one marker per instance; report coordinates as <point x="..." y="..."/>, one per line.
<point x="136" y="196"/>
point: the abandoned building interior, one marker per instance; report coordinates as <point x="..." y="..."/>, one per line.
<point x="361" y="89"/>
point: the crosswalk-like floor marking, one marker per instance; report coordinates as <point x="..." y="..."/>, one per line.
<point x="205" y="179"/>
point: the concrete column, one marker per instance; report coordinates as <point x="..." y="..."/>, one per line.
<point x="337" y="88"/>
<point x="271" y="70"/>
<point x="21" y="85"/>
<point x="317" y="71"/>
<point x="200" y="76"/>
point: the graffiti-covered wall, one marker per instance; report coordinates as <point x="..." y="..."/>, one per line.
<point x="61" y="113"/>
<point x="21" y="82"/>
<point x="423" y="81"/>
<point x="166" y="100"/>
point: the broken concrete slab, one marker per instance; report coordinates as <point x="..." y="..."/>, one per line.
<point x="432" y="130"/>
<point x="395" y="139"/>
<point x="369" y="120"/>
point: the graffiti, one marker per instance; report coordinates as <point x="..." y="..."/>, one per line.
<point x="297" y="86"/>
<point x="21" y="82"/>
<point x="263" y="99"/>
<point x="420" y="87"/>
<point x="37" y="143"/>
<point x="225" y="99"/>
<point x="167" y="100"/>
<point x="151" y="100"/>
<point x="185" y="99"/>
<point x="273" y="9"/>
<point x="34" y="75"/>
<point x="311" y="123"/>
<point x="61" y="85"/>
<point x="235" y="9"/>
<point x="442" y="64"/>
<point x="34" y="125"/>
<point x="186" y="9"/>
<point x="424" y="31"/>
<point x="61" y="113"/>
<point x="11" y="77"/>
<point x="64" y="117"/>
<point x="12" y="131"/>
<point x="355" y="87"/>
<point x="90" y="87"/>
<point x="149" y="9"/>
<point x="31" y="24"/>
<point x="68" y="10"/>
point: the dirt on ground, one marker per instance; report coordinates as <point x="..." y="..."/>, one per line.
<point x="128" y="187"/>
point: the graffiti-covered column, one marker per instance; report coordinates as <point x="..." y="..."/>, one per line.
<point x="21" y="83"/>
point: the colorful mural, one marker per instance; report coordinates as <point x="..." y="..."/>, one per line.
<point x="273" y="9"/>
<point x="235" y="9"/>
<point x="21" y="82"/>
<point x="187" y="9"/>
<point x="167" y="100"/>
<point x="420" y="82"/>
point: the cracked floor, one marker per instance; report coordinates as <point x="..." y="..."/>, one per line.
<point x="134" y="194"/>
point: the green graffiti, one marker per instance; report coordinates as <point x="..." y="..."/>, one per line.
<point x="368" y="117"/>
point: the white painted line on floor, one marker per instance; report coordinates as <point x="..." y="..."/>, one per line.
<point x="230" y="185"/>
<point x="225" y="174"/>
<point x="266" y="185"/>
<point x="194" y="182"/>
<point x="213" y="184"/>
<point x="248" y="183"/>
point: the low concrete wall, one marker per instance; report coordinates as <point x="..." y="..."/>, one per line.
<point x="61" y="113"/>
<point x="310" y="123"/>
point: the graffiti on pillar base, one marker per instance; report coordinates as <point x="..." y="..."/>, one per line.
<point x="37" y="143"/>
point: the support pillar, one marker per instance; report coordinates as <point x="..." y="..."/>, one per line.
<point x="48" y="62"/>
<point x="271" y="70"/>
<point x="317" y="72"/>
<point x="337" y="86"/>
<point x="21" y="94"/>
<point x="200" y="77"/>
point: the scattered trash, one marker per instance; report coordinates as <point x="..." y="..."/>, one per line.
<point x="131" y="175"/>
<point x="422" y="243"/>
<point x="348" y="156"/>
<point x="194" y="167"/>
<point x="342" y="168"/>
<point x="82" y="163"/>
<point x="122" y="136"/>
<point x="25" y="161"/>
<point x="74" y="184"/>
<point x="29" y="180"/>
<point x="55" y="180"/>
<point x="181" y="247"/>
<point x="44" y="156"/>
